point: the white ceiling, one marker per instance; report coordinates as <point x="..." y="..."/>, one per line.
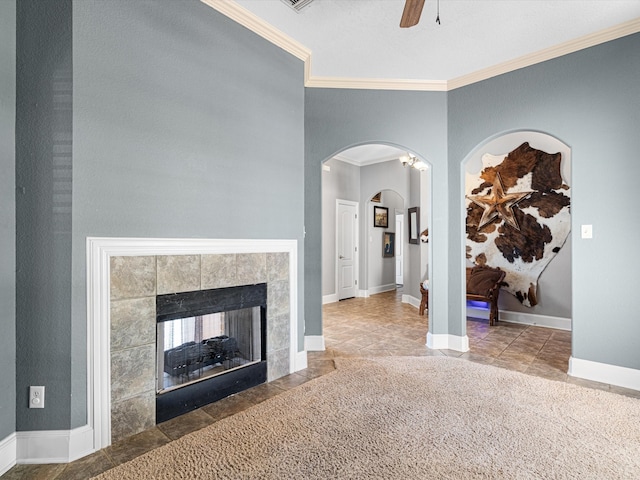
<point x="361" y="39"/>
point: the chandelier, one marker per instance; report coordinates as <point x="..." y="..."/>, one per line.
<point x="413" y="161"/>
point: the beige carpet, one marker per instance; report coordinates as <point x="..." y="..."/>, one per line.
<point x="413" y="418"/>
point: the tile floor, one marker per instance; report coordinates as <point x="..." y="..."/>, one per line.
<point x="374" y="326"/>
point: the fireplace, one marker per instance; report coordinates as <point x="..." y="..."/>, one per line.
<point x="125" y="275"/>
<point x="209" y="344"/>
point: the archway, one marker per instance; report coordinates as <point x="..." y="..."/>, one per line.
<point x="358" y="174"/>
<point x="546" y="301"/>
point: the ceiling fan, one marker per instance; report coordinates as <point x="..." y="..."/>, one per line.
<point x="412" y="11"/>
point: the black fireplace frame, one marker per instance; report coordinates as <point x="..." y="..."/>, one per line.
<point x="173" y="403"/>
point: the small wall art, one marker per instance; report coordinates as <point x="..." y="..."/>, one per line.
<point x="381" y="217"/>
<point x="388" y="244"/>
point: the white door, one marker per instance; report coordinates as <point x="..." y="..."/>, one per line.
<point x="399" y="248"/>
<point x="347" y="248"/>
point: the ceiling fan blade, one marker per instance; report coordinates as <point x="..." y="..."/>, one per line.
<point x="411" y="13"/>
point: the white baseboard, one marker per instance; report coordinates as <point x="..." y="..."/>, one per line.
<point x="331" y="298"/>
<point x="382" y="288"/>
<point x="605" y="373"/>
<point x="54" y="446"/>
<point x="523" y="318"/>
<point x="444" y="341"/>
<point x="411" y="300"/>
<point x="8" y="448"/>
<point x="314" y="343"/>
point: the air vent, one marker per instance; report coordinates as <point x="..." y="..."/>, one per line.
<point x="297" y="5"/>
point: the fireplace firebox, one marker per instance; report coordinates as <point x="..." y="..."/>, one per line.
<point x="210" y="344"/>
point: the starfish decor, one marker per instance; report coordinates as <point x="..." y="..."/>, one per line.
<point x="498" y="203"/>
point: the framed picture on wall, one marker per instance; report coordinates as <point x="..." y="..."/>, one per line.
<point x="381" y="217"/>
<point x="388" y="244"/>
<point x="414" y="224"/>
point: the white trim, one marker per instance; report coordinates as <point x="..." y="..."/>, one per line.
<point x="99" y="251"/>
<point x="260" y="27"/>
<point x="596" y="38"/>
<point x="301" y="360"/>
<point x="382" y="288"/>
<point x="356" y="243"/>
<point x="523" y="318"/>
<point x="605" y="373"/>
<point x="331" y="298"/>
<point x="54" y="446"/>
<point x="8" y="453"/>
<point x="444" y="341"/>
<point x="411" y="300"/>
<point x="377" y="84"/>
<point x="314" y="343"/>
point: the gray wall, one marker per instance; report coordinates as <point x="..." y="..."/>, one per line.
<point x="185" y="125"/>
<point x="7" y="218"/>
<point x="349" y="182"/>
<point x="337" y="119"/>
<point x="417" y="256"/>
<point x="591" y="101"/>
<point x="392" y="179"/>
<point x="381" y="271"/>
<point x="43" y="212"/>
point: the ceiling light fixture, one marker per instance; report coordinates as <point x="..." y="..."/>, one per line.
<point x="413" y="161"/>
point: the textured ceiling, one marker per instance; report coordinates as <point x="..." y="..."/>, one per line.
<point x="361" y="39"/>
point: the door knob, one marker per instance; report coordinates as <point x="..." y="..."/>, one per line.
<point x="340" y="257"/>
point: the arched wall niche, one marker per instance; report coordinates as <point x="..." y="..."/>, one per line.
<point x="554" y="284"/>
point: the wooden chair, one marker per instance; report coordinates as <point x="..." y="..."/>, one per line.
<point x="483" y="284"/>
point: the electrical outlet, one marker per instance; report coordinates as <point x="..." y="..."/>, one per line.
<point x="36" y="397"/>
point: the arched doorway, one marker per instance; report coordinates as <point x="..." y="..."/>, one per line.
<point x="534" y="245"/>
<point x="373" y="175"/>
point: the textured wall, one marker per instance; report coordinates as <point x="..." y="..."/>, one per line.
<point x="590" y="101"/>
<point x="341" y="182"/>
<point x="337" y="119"/>
<point x="185" y="125"/>
<point x="43" y="212"/>
<point x="7" y="217"/>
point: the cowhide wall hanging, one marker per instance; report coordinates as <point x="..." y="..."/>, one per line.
<point x="518" y="216"/>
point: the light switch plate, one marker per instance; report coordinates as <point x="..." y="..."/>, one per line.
<point x="587" y="231"/>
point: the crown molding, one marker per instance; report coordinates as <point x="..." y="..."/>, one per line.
<point x="254" y="23"/>
<point x="376" y="84"/>
<point x="591" y="40"/>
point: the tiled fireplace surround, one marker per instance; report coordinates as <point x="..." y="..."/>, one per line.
<point x="136" y="274"/>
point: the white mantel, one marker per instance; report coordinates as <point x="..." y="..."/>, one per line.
<point x="99" y="253"/>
